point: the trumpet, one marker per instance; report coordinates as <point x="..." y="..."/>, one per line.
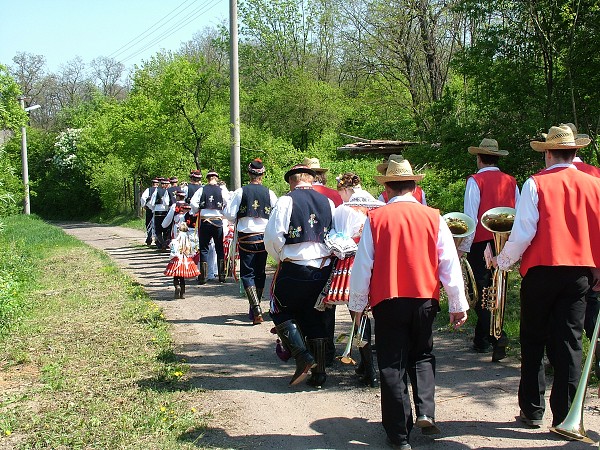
<point x="462" y="226"/>
<point x="356" y="337"/>
<point x="499" y="221"/>
<point x="572" y="426"/>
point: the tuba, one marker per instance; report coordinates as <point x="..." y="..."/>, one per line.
<point x="462" y="226"/>
<point x="500" y="222"/>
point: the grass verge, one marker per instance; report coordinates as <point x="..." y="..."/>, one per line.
<point x="90" y="363"/>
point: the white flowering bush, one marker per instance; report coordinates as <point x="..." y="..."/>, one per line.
<point x="65" y="149"/>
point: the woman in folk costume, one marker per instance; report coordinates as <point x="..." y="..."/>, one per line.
<point x="176" y="215"/>
<point x="181" y="265"/>
<point x="348" y="221"/>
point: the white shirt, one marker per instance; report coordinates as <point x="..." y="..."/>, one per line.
<point x="162" y="205"/>
<point x="525" y="226"/>
<point x="215" y="213"/>
<point x="145" y="197"/>
<point x="424" y="202"/>
<point x="304" y="254"/>
<point x="448" y="263"/>
<point x="246" y="224"/>
<point x="471" y="205"/>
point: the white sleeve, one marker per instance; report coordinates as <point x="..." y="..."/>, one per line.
<point x="195" y="201"/>
<point x="169" y="217"/>
<point x="277" y="227"/>
<point x="360" y="278"/>
<point x="449" y="270"/>
<point x="233" y="205"/>
<point x="471" y="209"/>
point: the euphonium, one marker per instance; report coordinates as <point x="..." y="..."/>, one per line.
<point x="462" y="226"/>
<point x="572" y="426"/>
<point x="356" y="337"/>
<point x="499" y="221"/>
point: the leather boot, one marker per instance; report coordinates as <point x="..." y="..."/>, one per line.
<point x="369" y="377"/>
<point x="177" y="288"/>
<point x="317" y="348"/>
<point x="292" y="339"/>
<point x="221" y="269"/>
<point x="254" y="301"/>
<point x="182" y="288"/>
<point x="259" y="292"/>
<point x="203" y="277"/>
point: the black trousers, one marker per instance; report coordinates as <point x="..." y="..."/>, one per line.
<point x="552" y="316"/>
<point x="403" y="332"/>
<point x="295" y="292"/>
<point x="161" y="235"/>
<point x="591" y="313"/>
<point x="206" y="232"/>
<point x="483" y="278"/>
<point x="253" y="259"/>
<point x="149" y="217"/>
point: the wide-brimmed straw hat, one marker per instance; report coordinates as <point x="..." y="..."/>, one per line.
<point x="559" y="138"/>
<point x="314" y="164"/>
<point x="299" y="168"/>
<point x="574" y="130"/>
<point x="488" y="147"/>
<point x="381" y="168"/>
<point x="399" y="171"/>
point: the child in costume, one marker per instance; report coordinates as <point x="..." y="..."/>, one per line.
<point x="181" y="265"/>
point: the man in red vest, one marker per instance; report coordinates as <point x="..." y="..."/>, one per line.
<point x="488" y="188"/>
<point x="419" y="194"/>
<point x="557" y="236"/>
<point x="406" y="249"/>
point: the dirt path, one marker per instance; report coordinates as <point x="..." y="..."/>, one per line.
<point x="247" y="385"/>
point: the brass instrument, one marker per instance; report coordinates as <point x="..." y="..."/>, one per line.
<point x="356" y="337"/>
<point x="572" y="426"/>
<point x="499" y="221"/>
<point x="464" y="226"/>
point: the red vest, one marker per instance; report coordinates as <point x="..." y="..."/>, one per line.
<point x="405" y="243"/>
<point x="587" y="168"/>
<point x="418" y="195"/>
<point x="331" y="194"/>
<point x="495" y="189"/>
<point x="568" y="231"/>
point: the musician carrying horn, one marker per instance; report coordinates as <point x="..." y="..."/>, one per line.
<point x="486" y="189"/>
<point x="406" y="249"/>
<point x="556" y="234"/>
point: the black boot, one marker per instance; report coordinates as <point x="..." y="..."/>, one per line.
<point x="182" y="288"/>
<point x="317" y="348"/>
<point x="203" y="277"/>
<point x="369" y="376"/>
<point x="177" y="288"/>
<point x="254" y="301"/>
<point x="259" y="292"/>
<point x="292" y="339"/>
<point x="221" y="269"/>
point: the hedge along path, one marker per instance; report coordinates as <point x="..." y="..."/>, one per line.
<point x="251" y="405"/>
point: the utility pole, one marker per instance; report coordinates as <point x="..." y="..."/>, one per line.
<point x="25" y="165"/>
<point x="234" y="99"/>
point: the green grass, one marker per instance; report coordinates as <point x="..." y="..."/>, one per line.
<point x="90" y="362"/>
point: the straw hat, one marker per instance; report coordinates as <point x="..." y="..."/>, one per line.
<point x="398" y="171"/>
<point x="314" y="164"/>
<point x="488" y="147"/>
<point x="574" y="130"/>
<point x="381" y="168"/>
<point x="298" y="168"/>
<point x="559" y="138"/>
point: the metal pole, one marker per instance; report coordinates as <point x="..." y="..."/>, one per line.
<point x="234" y="101"/>
<point x="26" y="208"/>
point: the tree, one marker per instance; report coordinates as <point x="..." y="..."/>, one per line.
<point x="12" y="116"/>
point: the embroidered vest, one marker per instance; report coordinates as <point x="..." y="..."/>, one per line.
<point x="495" y="189"/>
<point x="568" y="230"/>
<point x="255" y="202"/>
<point x="405" y="238"/>
<point x="160" y="193"/>
<point x="311" y="217"/>
<point x="191" y="190"/>
<point x="211" y="198"/>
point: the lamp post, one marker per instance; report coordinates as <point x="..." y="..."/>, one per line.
<point x="234" y="100"/>
<point x="26" y="207"/>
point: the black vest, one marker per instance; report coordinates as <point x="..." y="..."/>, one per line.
<point x="160" y="193"/>
<point x="256" y="202"/>
<point x="311" y="217"/>
<point x="211" y="198"/>
<point x="171" y="190"/>
<point x="191" y="190"/>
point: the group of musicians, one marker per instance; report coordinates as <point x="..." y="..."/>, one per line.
<point x="389" y="259"/>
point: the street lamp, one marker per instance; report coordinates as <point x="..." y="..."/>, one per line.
<point x="26" y="207"/>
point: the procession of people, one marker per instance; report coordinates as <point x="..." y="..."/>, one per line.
<point x="388" y="258"/>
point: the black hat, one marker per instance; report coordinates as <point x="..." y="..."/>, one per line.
<point x="155" y="180"/>
<point x="256" y="167"/>
<point x="195" y="174"/>
<point x="298" y="168"/>
<point x="212" y="173"/>
<point x="173" y="180"/>
<point x="163" y="180"/>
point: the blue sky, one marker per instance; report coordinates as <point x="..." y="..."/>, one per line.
<point x="128" y="30"/>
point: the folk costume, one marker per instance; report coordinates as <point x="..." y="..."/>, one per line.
<point x="488" y="188"/>
<point x="556" y="234"/>
<point x="319" y="184"/>
<point x="174" y="188"/>
<point x="406" y="249"/>
<point x="250" y="207"/>
<point x="146" y="195"/>
<point x="181" y="265"/>
<point x="159" y="203"/>
<point x="209" y="200"/>
<point x="418" y="194"/>
<point x="294" y="237"/>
